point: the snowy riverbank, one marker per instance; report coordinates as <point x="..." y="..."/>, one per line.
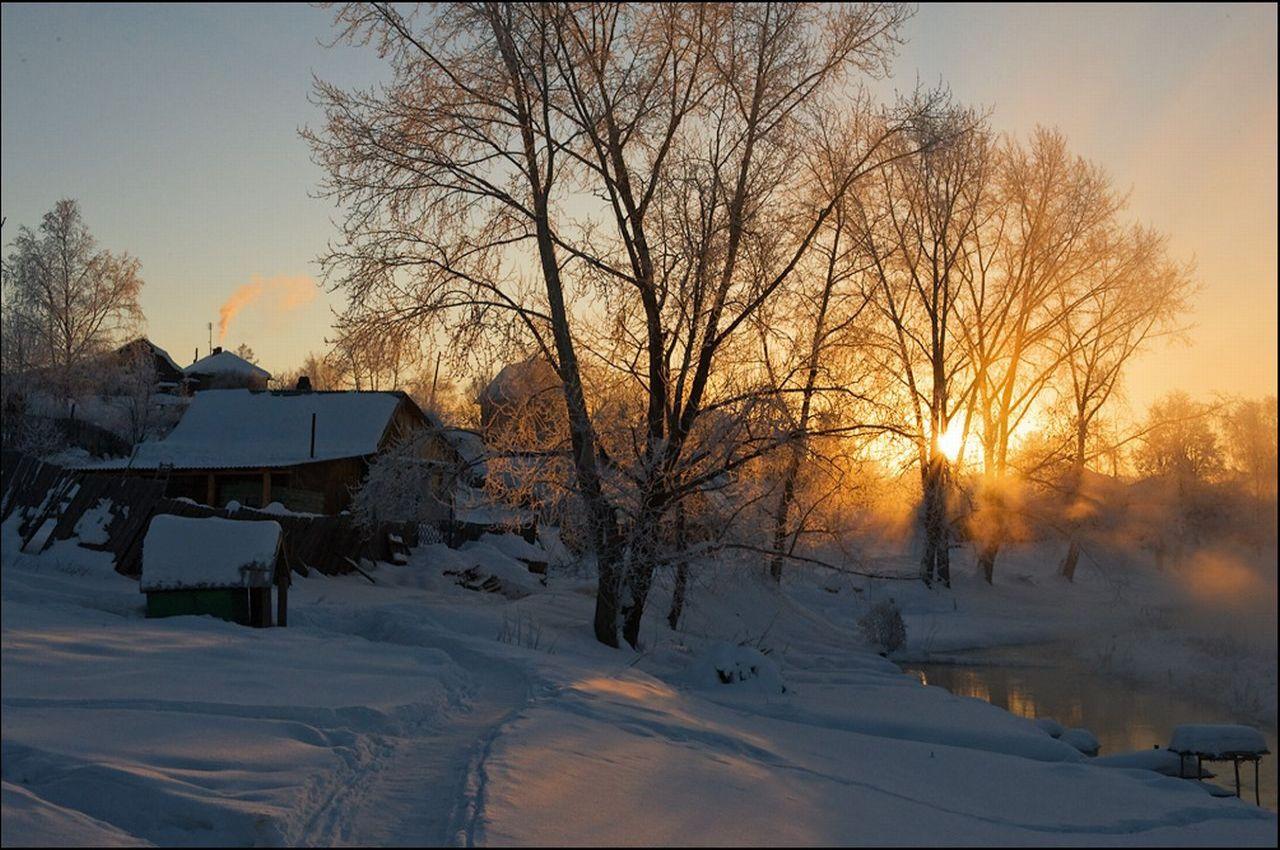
<point x="417" y="711"/>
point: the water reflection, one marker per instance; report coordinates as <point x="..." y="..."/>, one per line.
<point x="1123" y="718"/>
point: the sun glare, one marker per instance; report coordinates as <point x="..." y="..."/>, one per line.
<point x="950" y="441"/>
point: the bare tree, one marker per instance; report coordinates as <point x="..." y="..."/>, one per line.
<point x="244" y="352"/>
<point x="918" y="232"/>
<point x="318" y="370"/>
<point x="812" y="337"/>
<point x="74" y="300"/>
<point x="1135" y="296"/>
<point x="482" y="158"/>
<point x="136" y="388"/>
<point x="451" y="175"/>
<point x="1041" y="253"/>
<point x="1180" y="441"/>
<point x="1249" y="432"/>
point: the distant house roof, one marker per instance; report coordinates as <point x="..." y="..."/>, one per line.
<point x="518" y="382"/>
<point x="154" y="349"/>
<point x="228" y="429"/>
<point x="226" y="363"/>
<point x="469" y="446"/>
<point x="184" y="553"/>
<point x="167" y="371"/>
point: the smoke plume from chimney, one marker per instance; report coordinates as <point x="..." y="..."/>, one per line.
<point x="282" y="294"/>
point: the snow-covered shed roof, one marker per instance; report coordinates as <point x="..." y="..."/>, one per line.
<point x="228" y="429"/>
<point x="226" y="363"/>
<point x="185" y="553"/>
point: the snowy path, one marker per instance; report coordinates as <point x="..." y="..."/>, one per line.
<point x="427" y="789"/>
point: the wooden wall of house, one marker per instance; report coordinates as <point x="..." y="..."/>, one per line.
<point x="336" y="479"/>
<point x="322" y="487"/>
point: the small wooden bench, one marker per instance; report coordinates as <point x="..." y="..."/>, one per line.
<point x="1219" y="742"/>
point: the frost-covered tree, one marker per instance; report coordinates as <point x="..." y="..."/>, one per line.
<point x="1249" y="439"/>
<point x="72" y="299"/>
<point x="1180" y="441"/>
<point x="405" y="484"/>
<point x="527" y="157"/>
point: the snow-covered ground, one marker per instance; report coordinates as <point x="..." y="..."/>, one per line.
<point x="419" y="712"/>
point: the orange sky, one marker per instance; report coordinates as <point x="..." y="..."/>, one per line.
<point x="1178" y="103"/>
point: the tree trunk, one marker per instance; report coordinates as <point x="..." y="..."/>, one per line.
<point x="987" y="559"/>
<point x="780" y="519"/>
<point x="641" y="579"/>
<point x="806" y="408"/>
<point x="605" y="622"/>
<point x="1068" y="568"/>
<point x="682" y="572"/>
<point x="934" y="540"/>
<point x="943" y="567"/>
<point x="638" y="577"/>
<point x="601" y="516"/>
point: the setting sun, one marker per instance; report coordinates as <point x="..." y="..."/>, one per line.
<point x="951" y="441"/>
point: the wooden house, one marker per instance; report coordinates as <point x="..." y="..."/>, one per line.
<point x="307" y="451"/>
<point x="214" y="566"/>
<point x="168" y="374"/>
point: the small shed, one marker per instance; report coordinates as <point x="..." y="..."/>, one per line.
<point x="211" y="565"/>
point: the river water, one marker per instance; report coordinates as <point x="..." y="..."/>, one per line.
<point x="1123" y="716"/>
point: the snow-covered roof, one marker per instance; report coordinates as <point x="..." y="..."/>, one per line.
<point x="155" y="349"/>
<point x="469" y="446"/>
<point x="1215" y="740"/>
<point x="164" y="354"/>
<point x="227" y="429"/>
<point x="520" y="381"/>
<point x="182" y="553"/>
<point x="513" y="546"/>
<point x="226" y="363"/>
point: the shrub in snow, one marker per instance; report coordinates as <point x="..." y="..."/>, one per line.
<point x="882" y="626"/>
<point x="1050" y="727"/>
<point x="33" y="435"/>
<point x="1082" y="739"/>
<point x="737" y="664"/>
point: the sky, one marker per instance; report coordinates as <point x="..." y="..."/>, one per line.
<point x="176" y="127"/>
